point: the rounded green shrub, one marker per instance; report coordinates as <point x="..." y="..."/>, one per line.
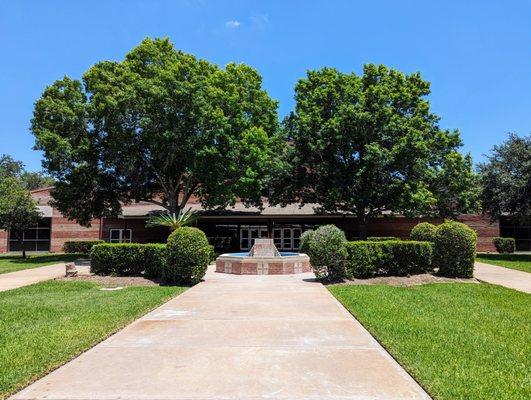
<point x="80" y="246"/>
<point x="455" y="249"/>
<point x="504" y="245"/>
<point x="327" y="253"/>
<point x="423" y="232"/>
<point x="188" y="255"/>
<point x="306" y="238"/>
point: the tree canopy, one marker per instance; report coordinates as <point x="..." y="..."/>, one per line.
<point x="18" y="210"/>
<point x="506" y="179"/>
<point x="368" y="144"/>
<point x="159" y="126"/>
<point x="30" y="180"/>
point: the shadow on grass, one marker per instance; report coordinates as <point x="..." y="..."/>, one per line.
<point x="505" y="257"/>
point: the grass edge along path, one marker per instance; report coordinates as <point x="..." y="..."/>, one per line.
<point x="45" y="325"/>
<point x="519" y="262"/>
<point x="13" y="263"/>
<point x="458" y="340"/>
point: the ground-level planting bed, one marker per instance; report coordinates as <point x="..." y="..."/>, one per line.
<point x="46" y="324"/>
<point x="459" y="340"/>
<point x="520" y="262"/>
<point x="17" y="263"/>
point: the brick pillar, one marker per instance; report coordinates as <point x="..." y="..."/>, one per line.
<point x="3" y="241"/>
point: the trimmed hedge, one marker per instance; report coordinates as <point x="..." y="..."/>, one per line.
<point x="455" y="249"/>
<point x="326" y="249"/>
<point x="370" y="258"/>
<point x="188" y="257"/>
<point x="80" y="246"/>
<point x="504" y="245"/>
<point x="128" y="259"/>
<point x="381" y="238"/>
<point x="423" y="231"/>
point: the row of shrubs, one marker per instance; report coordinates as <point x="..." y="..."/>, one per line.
<point x="183" y="259"/>
<point x="450" y="247"/>
<point x="80" y="246"/>
<point x="504" y="245"/>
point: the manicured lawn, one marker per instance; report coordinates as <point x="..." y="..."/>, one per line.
<point x="44" y="325"/>
<point x="521" y="262"/>
<point x="16" y="263"/>
<point x="460" y="341"/>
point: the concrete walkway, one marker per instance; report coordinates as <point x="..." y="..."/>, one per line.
<point x="236" y="337"/>
<point x="13" y="280"/>
<point x="507" y="277"/>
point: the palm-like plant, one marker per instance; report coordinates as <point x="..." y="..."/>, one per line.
<point x="172" y="221"/>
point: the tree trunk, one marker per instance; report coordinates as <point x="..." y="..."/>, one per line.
<point x="21" y="242"/>
<point x="362" y="227"/>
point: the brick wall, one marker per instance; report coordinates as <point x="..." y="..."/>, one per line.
<point x="3" y="241"/>
<point x="395" y="226"/>
<point x="401" y="227"/>
<point x="485" y="229"/>
<point x="65" y="230"/>
<point x="140" y="233"/>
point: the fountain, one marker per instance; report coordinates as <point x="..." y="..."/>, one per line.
<point x="263" y="259"/>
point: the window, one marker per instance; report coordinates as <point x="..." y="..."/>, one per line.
<point x="250" y="232"/>
<point x="120" y="235"/>
<point x="287" y="237"/>
<point x="34" y="239"/>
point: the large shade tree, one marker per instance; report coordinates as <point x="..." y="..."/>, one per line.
<point x="506" y="179"/>
<point x="18" y="211"/>
<point x="367" y="144"/>
<point x="159" y="126"/>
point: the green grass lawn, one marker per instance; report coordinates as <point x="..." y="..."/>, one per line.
<point x="520" y="262"/>
<point x="16" y="263"/>
<point x="459" y="341"/>
<point x="44" y="325"/>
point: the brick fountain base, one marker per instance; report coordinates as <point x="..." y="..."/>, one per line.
<point x="263" y="259"/>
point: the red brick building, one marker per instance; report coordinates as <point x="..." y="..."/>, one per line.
<point x="231" y="229"/>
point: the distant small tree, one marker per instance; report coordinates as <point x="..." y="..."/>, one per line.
<point x="367" y="144"/>
<point x="30" y="180"/>
<point x="18" y="210"/>
<point x="506" y="179"/>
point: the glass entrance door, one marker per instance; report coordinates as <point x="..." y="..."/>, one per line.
<point x="287" y="238"/>
<point x="248" y="233"/>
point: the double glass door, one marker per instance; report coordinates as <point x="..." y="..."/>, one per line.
<point x="248" y="233"/>
<point x="287" y="238"/>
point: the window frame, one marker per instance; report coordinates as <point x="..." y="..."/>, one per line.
<point x="121" y="236"/>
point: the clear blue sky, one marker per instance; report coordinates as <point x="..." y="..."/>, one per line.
<point x="477" y="54"/>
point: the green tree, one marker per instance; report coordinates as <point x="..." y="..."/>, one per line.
<point x="506" y="179"/>
<point x="31" y="180"/>
<point x="368" y="144"/>
<point x="160" y="126"/>
<point x="18" y="210"/>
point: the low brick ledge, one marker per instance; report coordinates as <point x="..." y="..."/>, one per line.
<point x="263" y="266"/>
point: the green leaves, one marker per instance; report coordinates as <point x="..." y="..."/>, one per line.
<point x="173" y="221"/>
<point x="506" y="179"/>
<point x="18" y="210"/>
<point x="159" y="126"/>
<point x="365" y="144"/>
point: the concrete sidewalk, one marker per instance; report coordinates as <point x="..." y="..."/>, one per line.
<point x="507" y="277"/>
<point x="13" y="280"/>
<point x="236" y="337"/>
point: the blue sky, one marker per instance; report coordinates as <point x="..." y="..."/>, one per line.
<point x="476" y="54"/>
